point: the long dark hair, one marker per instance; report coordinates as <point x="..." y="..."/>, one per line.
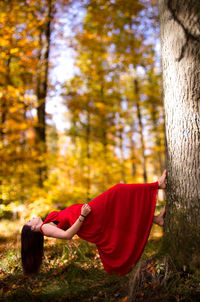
<point x="31" y="250"/>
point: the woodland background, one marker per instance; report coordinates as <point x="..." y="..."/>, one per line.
<point x="113" y="105"/>
<point x="111" y="130"/>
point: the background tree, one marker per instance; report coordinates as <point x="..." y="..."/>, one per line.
<point x="102" y="144"/>
<point x="24" y="42"/>
<point x="179" y="23"/>
<point x="111" y="51"/>
<point x="44" y="35"/>
<point x="17" y="63"/>
<point x="133" y="33"/>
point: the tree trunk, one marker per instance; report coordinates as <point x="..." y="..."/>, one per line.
<point x="42" y="85"/>
<point x="180" y="40"/>
<point x="137" y="101"/>
<point x="104" y="139"/>
<point x="123" y="174"/>
<point x="88" y="139"/>
<point x="158" y="157"/>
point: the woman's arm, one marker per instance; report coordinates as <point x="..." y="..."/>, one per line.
<point x="52" y="231"/>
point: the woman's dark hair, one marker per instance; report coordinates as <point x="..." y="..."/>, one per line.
<point x="31" y="250"/>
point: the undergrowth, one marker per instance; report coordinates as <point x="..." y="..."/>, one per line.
<point x="157" y="279"/>
<point x="72" y="272"/>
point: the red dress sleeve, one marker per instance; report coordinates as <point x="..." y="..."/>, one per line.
<point x="53" y="216"/>
<point x="65" y="218"/>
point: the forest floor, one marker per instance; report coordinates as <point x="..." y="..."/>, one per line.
<point x="72" y="272"/>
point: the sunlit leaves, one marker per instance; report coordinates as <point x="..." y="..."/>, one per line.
<point x="101" y="144"/>
<point x="19" y="43"/>
<point x="110" y="45"/>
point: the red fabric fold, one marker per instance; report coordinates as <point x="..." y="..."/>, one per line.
<point x="119" y="223"/>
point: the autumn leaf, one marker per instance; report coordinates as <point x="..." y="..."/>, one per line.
<point x="125" y="299"/>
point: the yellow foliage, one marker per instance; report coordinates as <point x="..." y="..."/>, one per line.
<point x="97" y="151"/>
<point x="14" y="50"/>
<point x="4" y="43"/>
<point x="39" y="207"/>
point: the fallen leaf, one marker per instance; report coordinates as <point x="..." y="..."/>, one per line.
<point x="13" y="269"/>
<point x="36" y="291"/>
<point x="125" y="299"/>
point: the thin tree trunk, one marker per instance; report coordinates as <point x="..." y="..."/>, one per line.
<point x="158" y="165"/>
<point x="123" y="174"/>
<point x="4" y="111"/>
<point x="88" y="130"/>
<point x="133" y="158"/>
<point x="139" y="116"/>
<point x="42" y="86"/>
<point x="180" y="23"/>
<point x="4" y="100"/>
<point x="104" y="140"/>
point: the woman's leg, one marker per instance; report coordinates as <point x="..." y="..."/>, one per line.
<point x="162" y="180"/>
<point x="159" y="219"/>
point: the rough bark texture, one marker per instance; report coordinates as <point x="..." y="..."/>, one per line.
<point x="180" y="40"/>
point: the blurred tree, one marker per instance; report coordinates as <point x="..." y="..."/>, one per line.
<point x="132" y="27"/>
<point x="16" y="89"/>
<point x="20" y="42"/>
<point x="92" y="96"/>
<point x="154" y="106"/>
<point x="44" y="32"/>
<point x="112" y="106"/>
<point x="113" y="45"/>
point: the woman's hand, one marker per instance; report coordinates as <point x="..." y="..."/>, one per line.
<point x="85" y="210"/>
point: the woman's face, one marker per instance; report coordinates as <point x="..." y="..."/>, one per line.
<point x="34" y="222"/>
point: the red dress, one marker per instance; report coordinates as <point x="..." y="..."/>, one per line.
<point x="119" y="223"/>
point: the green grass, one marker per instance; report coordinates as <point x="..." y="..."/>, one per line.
<point x="72" y="271"/>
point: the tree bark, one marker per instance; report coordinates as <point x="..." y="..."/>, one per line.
<point x="158" y="158"/>
<point x="139" y="116"/>
<point x="104" y="138"/>
<point x="122" y="166"/>
<point x="88" y="140"/>
<point x="180" y="40"/>
<point x="42" y="86"/>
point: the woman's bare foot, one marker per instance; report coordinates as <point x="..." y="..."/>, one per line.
<point x="162" y="180"/>
<point x="159" y="219"/>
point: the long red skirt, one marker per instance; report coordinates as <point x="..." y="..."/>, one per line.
<point x="119" y="223"/>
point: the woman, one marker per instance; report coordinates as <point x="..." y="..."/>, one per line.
<point x="118" y="221"/>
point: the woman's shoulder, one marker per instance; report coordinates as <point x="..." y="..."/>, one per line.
<point x="51" y="216"/>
